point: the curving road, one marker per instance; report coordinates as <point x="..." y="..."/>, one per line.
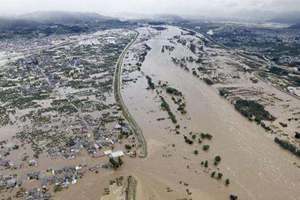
<point x="118" y="96"/>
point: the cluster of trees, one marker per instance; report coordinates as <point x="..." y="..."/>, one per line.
<point x="188" y="140"/>
<point x="180" y="102"/>
<point x="159" y="28"/>
<point x="204" y="163"/>
<point x="196" y="152"/>
<point x="288" y="146"/>
<point x="150" y="82"/>
<point x="217" y="160"/>
<point x="267" y="128"/>
<point x="233" y="197"/>
<point x="206" y="136"/>
<point x="116" y="163"/>
<point x="165" y="106"/>
<point x="173" y="91"/>
<point x="223" y="92"/>
<point x="181" y="108"/>
<point x="193" y="48"/>
<point x="169" y="48"/>
<point x="297" y="135"/>
<point x="128" y="146"/>
<point x="208" y="81"/>
<point x="278" y="71"/>
<point x="251" y="109"/>
<point x="143" y="55"/>
<point x="205" y="147"/>
<point x="202" y="136"/>
<point x="4" y="117"/>
<point x="295" y="80"/>
<point x="218" y="175"/>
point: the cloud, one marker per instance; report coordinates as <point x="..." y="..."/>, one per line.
<point x="181" y="7"/>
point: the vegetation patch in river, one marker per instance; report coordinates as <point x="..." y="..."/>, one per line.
<point x="252" y="109"/>
<point x="165" y="106"/>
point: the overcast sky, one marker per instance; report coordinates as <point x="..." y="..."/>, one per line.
<point x="180" y="7"/>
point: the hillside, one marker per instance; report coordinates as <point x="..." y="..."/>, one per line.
<point x="46" y="23"/>
<point x="70" y="18"/>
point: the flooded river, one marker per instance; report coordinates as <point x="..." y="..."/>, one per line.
<point x="257" y="168"/>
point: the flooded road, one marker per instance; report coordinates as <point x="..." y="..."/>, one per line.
<point x="256" y="167"/>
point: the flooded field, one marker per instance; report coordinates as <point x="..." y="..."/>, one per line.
<point x="256" y="167"/>
<point x="59" y="120"/>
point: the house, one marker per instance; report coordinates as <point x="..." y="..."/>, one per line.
<point x="115" y="159"/>
<point x="10" y="183"/>
<point x="33" y="162"/>
<point x="116" y="154"/>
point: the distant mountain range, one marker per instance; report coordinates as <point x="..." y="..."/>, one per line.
<point x="46" y="23"/>
<point x="12" y="23"/>
<point x="287" y="18"/>
<point x="292" y="18"/>
<point x="295" y="26"/>
<point x="66" y="18"/>
<point x="58" y="22"/>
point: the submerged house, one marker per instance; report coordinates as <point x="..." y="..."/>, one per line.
<point x="115" y="158"/>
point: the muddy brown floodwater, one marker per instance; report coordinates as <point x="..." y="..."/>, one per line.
<point x="257" y="168"/>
